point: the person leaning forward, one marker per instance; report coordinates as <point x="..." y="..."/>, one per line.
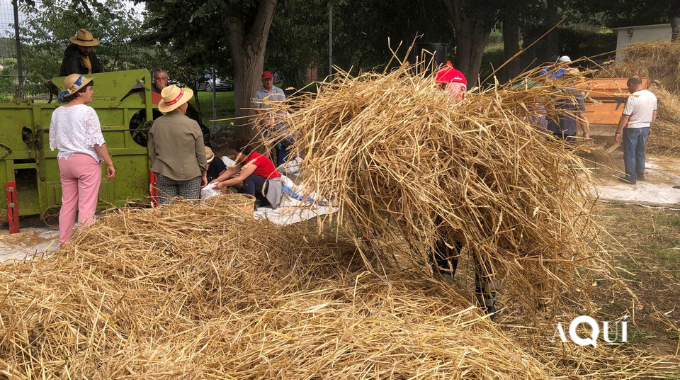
<point x="79" y="57"/>
<point x="176" y="148"/>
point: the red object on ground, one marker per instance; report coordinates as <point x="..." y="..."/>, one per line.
<point x="153" y="190"/>
<point x="12" y="207"/>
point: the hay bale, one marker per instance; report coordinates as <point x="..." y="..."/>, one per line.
<point x="404" y="164"/>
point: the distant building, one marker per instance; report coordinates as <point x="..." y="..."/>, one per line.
<point x="628" y="34"/>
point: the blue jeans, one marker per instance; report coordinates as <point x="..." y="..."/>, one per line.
<point x="281" y="153"/>
<point x="255" y="186"/>
<point x="634" y="140"/>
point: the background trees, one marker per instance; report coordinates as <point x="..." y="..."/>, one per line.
<point x="242" y="38"/>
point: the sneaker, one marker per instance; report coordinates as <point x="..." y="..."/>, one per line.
<point x="640" y="178"/>
<point x="627" y="181"/>
<point x="676" y="187"/>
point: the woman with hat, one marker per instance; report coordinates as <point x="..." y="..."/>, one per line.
<point x="176" y="148"/>
<point x="215" y="166"/>
<point x="79" y="57"/>
<point x="76" y="132"/>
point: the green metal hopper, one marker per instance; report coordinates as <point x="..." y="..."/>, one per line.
<point x="29" y="168"/>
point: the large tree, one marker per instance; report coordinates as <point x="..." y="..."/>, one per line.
<point x="239" y="28"/>
<point x="247" y="24"/>
<point x="472" y="21"/>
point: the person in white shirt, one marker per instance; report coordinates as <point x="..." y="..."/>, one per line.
<point x="76" y="132"/>
<point x="635" y="126"/>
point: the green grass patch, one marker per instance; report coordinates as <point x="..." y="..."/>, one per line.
<point x="224" y="104"/>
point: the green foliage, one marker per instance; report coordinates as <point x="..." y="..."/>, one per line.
<point x="362" y="33"/>
<point x="192" y="39"/>
<point x="48" y="26"/>
<point x="613" y="13"/>
<point x="8" y="78"/>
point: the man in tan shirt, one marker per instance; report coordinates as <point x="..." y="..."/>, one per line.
<point x="176" y="148"/>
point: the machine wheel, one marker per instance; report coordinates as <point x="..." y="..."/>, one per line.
<point x="51" y="216"/>
<point x="139" y="126"/>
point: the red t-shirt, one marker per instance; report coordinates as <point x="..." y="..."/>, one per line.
<point x="265" y="167"/>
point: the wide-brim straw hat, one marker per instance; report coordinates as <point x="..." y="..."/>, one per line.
<point x="73" y="83"/>
<point x="174" y="97"/>
<point x="84" y="38"/>
<point x="209" y="155"/>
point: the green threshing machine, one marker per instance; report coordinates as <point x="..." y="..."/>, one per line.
<point x="123" y="101"/>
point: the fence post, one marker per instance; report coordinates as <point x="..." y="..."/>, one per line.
<point x="20" y="91"/>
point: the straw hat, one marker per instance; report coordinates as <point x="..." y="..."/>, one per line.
<point x="209" y="155"/>
<point x="84" y="38"/>
<point x="174" y="97"/>
<point x="72" y="84"/>
<point x="572" y="72"/>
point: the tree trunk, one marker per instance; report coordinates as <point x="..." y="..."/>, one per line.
<point x="472" y="29"/>
<point x="674" y="19"/>
<point x="510" y="48"/>
<point x="247" y="48"/>
<point x="551" y="43"/>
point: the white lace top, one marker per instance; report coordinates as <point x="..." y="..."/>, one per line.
<point x="75" y="129"/>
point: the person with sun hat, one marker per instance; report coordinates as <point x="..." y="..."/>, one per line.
<point x="79" y="57"/>
<point x="176" y="148"/>
<point x="76" y="132"/>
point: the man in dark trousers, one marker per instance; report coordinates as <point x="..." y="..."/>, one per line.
<point x="79" y="57"/>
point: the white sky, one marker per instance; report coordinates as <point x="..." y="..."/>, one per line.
<point x="7" y="15"/>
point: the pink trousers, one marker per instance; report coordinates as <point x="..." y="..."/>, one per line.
<point x="80" y="176"/>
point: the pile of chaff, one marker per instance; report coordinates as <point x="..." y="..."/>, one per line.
<point x="665" y="138"/>
<point x="194" y="292"/>
<point x="653" y="59"/>
<point x="406" y="167"/>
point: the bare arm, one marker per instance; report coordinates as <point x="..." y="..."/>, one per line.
<point x="230" y="171"/>
<point x="584" y="124"/>
<point x="623" y="121"/>
<point x="104" y="153"/>
<point x="239" y="178"/>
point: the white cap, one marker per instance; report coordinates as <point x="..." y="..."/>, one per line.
<point x="564" y="58"/>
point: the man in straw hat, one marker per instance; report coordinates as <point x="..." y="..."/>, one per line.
<point x="444" y="259"/>
<point x="176" y="148"/>
<point x="79" y="57"/>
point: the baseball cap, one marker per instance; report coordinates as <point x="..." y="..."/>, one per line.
<point x="448" y="74"/>
<point x="267" y="75"/>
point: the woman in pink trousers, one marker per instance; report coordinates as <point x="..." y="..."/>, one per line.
<point x="75" y="131"/>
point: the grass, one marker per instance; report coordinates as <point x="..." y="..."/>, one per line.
<point x="224" y="103"/>
<point x="643" y="245"/>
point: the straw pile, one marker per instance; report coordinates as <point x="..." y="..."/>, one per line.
<point x="665" y="137"/>
<point x="194" y="292"/>
<point x="654" y="59"/>
<point x="406" y="166"/>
